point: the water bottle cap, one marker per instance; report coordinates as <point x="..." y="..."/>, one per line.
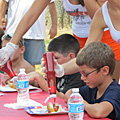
<point x="75" y="90"/>
<point x="22" y="70"/>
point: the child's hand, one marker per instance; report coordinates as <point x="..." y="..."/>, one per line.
<point x="14" y="79"/>
<point x="5" y="79"/>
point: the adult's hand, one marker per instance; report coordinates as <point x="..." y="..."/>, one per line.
<point x="59" y="70"/>
<point x="53" y="32"/>
<point x="7" y="52"/>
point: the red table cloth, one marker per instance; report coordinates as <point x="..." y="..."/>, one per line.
<point x="21" y="114"/>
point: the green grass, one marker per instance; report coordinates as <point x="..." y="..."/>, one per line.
<point x="47" y="40"/>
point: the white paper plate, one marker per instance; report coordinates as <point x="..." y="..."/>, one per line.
<point x="43" y="111"/>
<point x="7" y="88"/>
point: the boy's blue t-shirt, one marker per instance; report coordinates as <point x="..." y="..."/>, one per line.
<point x="112" y="94"/>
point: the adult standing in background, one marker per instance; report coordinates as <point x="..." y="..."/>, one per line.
<point x="106" y="17"/>
<point x="81" y="21"/>
<point x="81" y="28"/>
<point x="34" y="38"/>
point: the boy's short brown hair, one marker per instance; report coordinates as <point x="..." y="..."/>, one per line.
<point x="8" y="37"/>
<point x="64" y="44"/>
<point x="97" y="55"/>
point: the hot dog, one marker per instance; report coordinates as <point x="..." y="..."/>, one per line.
<point x="12" y="85"/>
<point x="53" y="107"/>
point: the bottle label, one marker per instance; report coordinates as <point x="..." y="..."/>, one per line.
<point x="22" y="84"/>
<point x="75" y="108"/>
<point x="22" y="77"/>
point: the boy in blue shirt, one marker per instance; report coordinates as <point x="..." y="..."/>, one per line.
<point x="101" y="94"/>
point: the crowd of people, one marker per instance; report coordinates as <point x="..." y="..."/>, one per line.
<point x="89" y="59"/>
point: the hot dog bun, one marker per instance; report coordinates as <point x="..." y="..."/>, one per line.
<point x="12" y="85"/>
<point x="53" y="107"/>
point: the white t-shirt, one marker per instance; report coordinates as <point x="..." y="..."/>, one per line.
<point x="81" y="20"/>
<point x="16" y="10"/>
<point x="114" y="33"/>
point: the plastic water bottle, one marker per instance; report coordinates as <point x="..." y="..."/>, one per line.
<point x="75" y="105"/>
<point x="23" y="88"/>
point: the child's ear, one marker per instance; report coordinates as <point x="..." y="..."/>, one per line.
<point x="71" y="55"/>
<point x="105" y="70"/>
<point x="22" y="49"/>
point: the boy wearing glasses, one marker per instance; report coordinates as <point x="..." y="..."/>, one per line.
<point x="18" y="61"/>
<point x="101" y="94"/>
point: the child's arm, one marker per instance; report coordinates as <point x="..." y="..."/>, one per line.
<point x="67" y="95"/>
<point x="98" y="110"/>
<point x="40" y="80"/>
<point x="60" y="94"/>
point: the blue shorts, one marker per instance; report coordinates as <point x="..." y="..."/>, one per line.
<point x="34" y="50"/>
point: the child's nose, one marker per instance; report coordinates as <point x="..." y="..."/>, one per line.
<point x="83" y="77"/>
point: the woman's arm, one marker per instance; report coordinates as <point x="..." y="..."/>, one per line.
<point x="29" y="19"/>
<point x="70" y="67"/>
<point x="93" y="5"/>
<point x="97" y="27"/>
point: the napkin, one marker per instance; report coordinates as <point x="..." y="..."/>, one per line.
<point x="18" y="106"/>
<point x="1" y="94"/>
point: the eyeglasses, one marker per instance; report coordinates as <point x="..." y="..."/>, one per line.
<point x="86" y="74"/>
